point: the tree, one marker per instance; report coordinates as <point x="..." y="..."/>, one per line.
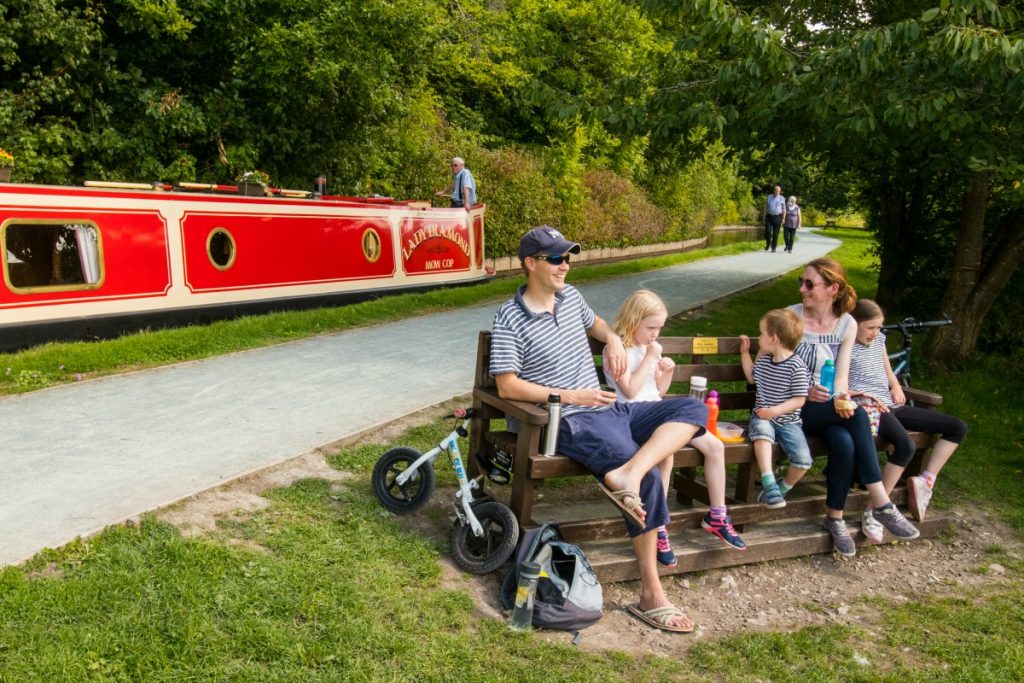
<point x="922" y="104"/>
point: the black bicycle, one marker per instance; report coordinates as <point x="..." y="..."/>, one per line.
<point x="907" y="328"/>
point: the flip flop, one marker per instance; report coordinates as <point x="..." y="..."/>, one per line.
<point x="659" y="617"/>
<point x="627" y="501"/>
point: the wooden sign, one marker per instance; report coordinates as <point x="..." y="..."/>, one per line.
<point x="706" y="345"/>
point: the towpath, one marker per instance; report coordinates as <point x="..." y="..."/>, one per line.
<point x="80" y="457"/>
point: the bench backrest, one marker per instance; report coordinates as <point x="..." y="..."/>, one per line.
<point x="716" y="358"/>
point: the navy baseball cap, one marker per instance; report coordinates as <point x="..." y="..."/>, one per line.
<point x="546" y="240"/>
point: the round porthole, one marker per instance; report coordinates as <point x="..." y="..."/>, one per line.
<point x="220" y="247"/>
<point x="371" y="245"/>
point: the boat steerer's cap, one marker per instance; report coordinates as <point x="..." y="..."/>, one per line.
<point x="545" y="240"/>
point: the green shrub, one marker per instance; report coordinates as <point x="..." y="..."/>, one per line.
<point x="706" y="192"/>
<point x="518" y="195"/>
<point x="618" y="213"/>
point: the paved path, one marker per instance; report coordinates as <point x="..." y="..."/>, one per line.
<point x="79" y="457"/>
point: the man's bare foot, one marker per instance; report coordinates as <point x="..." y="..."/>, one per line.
<point x="617" y="480"/>
<point x="629" y="503"/>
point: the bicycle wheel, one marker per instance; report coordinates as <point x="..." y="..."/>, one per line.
<point x="409" y="496"/>
<point x="488" y="552"/>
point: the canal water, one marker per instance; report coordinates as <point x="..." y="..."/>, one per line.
<point x="721" y="237"/>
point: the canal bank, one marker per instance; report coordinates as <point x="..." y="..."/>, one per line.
<point x="722" y="234"/>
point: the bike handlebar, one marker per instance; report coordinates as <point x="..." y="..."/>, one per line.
<point x="911" y="324"/>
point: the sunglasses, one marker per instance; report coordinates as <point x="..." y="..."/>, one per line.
<point x="808" y="283"/>
<point x="553" y="260"/>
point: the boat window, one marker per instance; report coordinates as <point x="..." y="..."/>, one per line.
<point x="220" y="247"/>
<point x="51" y="255"/>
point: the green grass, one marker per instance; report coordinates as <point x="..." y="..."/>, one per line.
<point x="58" y="363"/>
<point x="324" y="586"/>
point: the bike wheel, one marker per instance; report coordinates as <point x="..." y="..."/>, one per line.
<point x="409" y="496"/>
<point x="480" y="555"/>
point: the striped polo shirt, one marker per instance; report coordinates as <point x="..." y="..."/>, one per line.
<point x="779" y="382"/>
<point x="867" y="370"/>
<point x="550" y="349"/>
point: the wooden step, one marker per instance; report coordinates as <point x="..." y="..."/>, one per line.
<point x="597" y="519"/>
<point x="697" y="550"/>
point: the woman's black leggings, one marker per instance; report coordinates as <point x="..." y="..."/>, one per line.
<point x="789" y="236"/>
<point x="851" y="449"/>
<point x="893" y="428"/>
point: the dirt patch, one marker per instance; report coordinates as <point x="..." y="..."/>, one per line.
<point x="198" y="514"/>
<point x="782" y="595"/>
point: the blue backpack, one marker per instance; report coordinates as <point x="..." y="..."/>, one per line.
<point x="568" y="595"/>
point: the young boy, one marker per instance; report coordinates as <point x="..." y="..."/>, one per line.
<point x="781" y="379"/>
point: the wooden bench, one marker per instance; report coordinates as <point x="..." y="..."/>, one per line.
<point x="785" y="532"/>
<point x="830" y="222"/>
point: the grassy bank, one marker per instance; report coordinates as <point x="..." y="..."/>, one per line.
<point x="58" y="363"/>
<point x="323" y="586"/>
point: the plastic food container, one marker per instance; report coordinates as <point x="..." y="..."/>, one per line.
<point x="730" y="433"/>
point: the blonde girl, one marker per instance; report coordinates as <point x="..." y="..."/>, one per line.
<point x="647" y="378"/>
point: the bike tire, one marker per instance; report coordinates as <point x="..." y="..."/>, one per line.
<point x="485" y="554"/>
<point x="414" y="493"/>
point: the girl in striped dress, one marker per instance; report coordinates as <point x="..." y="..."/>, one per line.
<point x="871" y="376"/>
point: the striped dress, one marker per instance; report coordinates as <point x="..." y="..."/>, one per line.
<point x="814" y="349"/>
<point x="867" y="370"/>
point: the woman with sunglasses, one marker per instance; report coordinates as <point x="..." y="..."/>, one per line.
<point x="829" y="335"/>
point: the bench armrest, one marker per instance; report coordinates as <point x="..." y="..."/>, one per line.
<point x="923" y="398"/>
<point x="525" y="412"/>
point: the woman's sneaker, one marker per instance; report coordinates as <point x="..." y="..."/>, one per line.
<point x="898" y="525"/>
<point x="772" y="496"/>
<point x="871" y="528"/>
<point x="918" y="497"/>
<point x="722" y="527"/>
<point x="841" y="539"/>
<point x="666" y="557"/>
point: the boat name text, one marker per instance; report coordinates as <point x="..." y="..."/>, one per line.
<point x="446" y="232"/>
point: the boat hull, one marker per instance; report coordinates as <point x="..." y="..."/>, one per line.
<point x="87" y="263"/>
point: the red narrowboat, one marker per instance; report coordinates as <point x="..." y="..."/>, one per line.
<point x="96" y="261"/>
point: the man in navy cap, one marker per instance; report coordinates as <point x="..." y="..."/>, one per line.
<point x="539" y="347"/>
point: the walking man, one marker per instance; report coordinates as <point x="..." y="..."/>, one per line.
<point x="774" y="214"/>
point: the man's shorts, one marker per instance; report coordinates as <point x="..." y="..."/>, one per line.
<point x="606" y="439"/>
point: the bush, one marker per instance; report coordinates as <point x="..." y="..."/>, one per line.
<point x="518" y="195"/>
<point x="706" y="192"/>
<point x="618" y="213"/>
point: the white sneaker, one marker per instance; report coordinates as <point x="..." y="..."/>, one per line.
<point x="918" y="497"/>
<point x="871" y="527"/>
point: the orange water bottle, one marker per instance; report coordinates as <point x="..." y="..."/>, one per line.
<point x="712" y="404"/>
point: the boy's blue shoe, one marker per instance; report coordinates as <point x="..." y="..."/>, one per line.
<point x="772" y="496"/>
<point x="722" y="527"/>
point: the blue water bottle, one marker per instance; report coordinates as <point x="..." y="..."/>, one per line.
<point x="828" y="377"/>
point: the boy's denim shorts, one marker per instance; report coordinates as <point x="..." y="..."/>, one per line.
<point x="789" y="436"/>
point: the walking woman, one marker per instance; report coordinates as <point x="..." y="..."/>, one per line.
<point x="793" y="221"/>
<point x="829" y="334"/>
